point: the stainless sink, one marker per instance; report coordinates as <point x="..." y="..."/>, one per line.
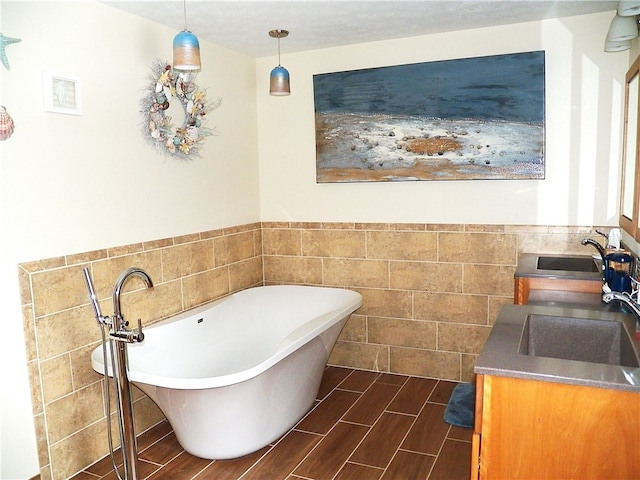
<point x="581" y="339"/>
<point x="567" y="263"/>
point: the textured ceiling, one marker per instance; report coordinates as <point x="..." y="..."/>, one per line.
<point x="243" y="25"/>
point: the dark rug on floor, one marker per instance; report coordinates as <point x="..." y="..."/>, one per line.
<point x="461" y="406"/>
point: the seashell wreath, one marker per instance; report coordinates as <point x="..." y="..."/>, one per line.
<point x="165" y="85"/>
<point x="6" y="124"/>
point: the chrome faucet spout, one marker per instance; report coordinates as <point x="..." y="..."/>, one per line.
<point x="122" y="279"/>
<point x="624" y="298"/>
<point x="591" y="241"/>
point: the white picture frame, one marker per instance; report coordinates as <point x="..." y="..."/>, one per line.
<point x="62" y="93"/>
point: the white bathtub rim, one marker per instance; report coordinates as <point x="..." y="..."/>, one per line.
<point x="303" y="334"/>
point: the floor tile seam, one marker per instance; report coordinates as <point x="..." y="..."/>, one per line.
<point x="203" y="469"/>
<point x="351" y="423"/>
<point x="89" y="473"/>
<point x="396" y="412"/>
<point x="156" y="464"/>
<point x="274" y="444"/>
<point x="301" y="430"/>
<point x="435" y="457"/>
<point x="311" y="410"/>
<point x="424" y="404"/>
<point x="351" y="390"/>
<point x="373" y="382"/>
<point x="408" y="450"/>
<point x="432" y="403"/>
<point x="320" y="403"/>
<point x="115" y="451"/>
<point x="248" y="469"/>
<point x="457" y="439"/>
<point x="362" y="465"/>
<point x="406" y="379"/>
<point x="379" y="415"/>
<point x="293" y="469"/>
<point x="384" y="409"/>
<point x="355" y="448"/>
<point x="167" y="462"/>
<point x="302" y="460"/>
<point x="440" y="450"/>
<point x="334" y="388"/>
<point x="404" y="437"/>
<point x="157" y="440"/>
<point x="157" y="471"/>
<point x="365" y="437"/>
<point x="347" y="378"/>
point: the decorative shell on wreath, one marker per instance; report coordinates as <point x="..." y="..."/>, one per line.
<point x="167" y="85"/>
<point x="6" y="124"/>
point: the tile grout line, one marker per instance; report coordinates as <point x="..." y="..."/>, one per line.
<point x="415" y="419"/>
<point x="370" y="427"/>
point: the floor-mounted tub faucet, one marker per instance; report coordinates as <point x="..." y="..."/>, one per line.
<point x="122" y="336"/>
<point x="118" y="337"/>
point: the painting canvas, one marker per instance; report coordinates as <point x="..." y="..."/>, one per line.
<point x="463" y="119"/>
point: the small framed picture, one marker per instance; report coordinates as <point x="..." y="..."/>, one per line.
<point x="62" y="93"/>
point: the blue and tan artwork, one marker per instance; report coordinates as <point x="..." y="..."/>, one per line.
<point x="474" y="118"/>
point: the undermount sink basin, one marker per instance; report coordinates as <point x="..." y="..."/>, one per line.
<point x="581" y="339"/>
<point x="570" y="264"/>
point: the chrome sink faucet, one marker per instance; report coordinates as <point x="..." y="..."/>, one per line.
<point x="600" y="248"/>
<point x="623" y="298"/>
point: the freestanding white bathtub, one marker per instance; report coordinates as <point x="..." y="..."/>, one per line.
<point x="236" y="374"/>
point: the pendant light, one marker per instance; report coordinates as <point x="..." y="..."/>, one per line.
<point x="610" y="46"/>
<point x="279" y="77"/>
<point x="622" y="28"/>
<point x="186" y="48"/>
<point x="628" y="8"/>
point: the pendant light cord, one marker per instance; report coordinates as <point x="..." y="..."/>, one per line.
<point x="279" y="49"/>
<point x="184" y="11"/>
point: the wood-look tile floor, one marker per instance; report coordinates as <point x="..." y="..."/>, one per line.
<point x="364" y="426"/>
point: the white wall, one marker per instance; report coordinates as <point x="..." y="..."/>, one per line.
<point x="78" y="183"/>
<point x="584" y="89"/>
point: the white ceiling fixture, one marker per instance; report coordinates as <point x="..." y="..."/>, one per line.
<point x="623" y="28"/>
<point x="626" y="8"/>
<point x="240" y="24"/>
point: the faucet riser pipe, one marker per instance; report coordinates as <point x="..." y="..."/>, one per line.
<point x="129" y="443"/>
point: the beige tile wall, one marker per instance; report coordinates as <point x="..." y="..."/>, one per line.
<point x="61" y="331"/>
<point x="431" y="293"/>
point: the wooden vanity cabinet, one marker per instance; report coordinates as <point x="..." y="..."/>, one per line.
<point x="524" y="286"/>
<point x="529" y="429"/>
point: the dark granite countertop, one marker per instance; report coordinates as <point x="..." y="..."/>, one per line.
<point x="528" y="267"/>
<point x="501" y="355"/>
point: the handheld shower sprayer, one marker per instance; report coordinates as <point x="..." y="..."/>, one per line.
<point x="100" y="319"/>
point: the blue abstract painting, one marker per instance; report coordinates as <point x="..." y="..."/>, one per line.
<point x="463" y="119"/>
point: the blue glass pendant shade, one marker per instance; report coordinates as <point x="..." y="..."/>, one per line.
<point x="279" y="81"/>
<point x="186" y="51"/>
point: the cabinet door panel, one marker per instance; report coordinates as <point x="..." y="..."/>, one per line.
<point x="545" y="430"/>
